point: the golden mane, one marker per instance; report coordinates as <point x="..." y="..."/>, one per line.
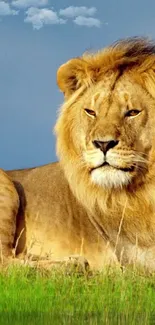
<point x="136" y="54"/>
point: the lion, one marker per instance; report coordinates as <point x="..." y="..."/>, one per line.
<point x="98" y="200"/>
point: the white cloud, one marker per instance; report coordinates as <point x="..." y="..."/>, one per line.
<point x="87" y="21"/>
<point x="29" y="3"/>
<point x="39" y="17"/>
<point x="5" y="9"/>
<point x="72" y="12"/>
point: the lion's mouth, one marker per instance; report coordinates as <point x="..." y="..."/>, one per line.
<point x="129" y="169"/>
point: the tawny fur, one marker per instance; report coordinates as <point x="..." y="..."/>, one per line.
<point x="9" y="205"/>
<point x="78" y="206"/>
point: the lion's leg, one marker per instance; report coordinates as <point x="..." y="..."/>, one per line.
<point x="9" y="204"/>
<point x="93" y="260"/>
<point x="75" y="263"/>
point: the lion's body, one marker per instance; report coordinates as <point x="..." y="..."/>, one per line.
<point x="99" y="200"/>
<point x="54" y="224"/>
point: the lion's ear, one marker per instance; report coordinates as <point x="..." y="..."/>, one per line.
<point x="72" y="75"/>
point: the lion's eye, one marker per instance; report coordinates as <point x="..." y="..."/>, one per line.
<point x="132" y="112"/>
<point x="90" y="112"/>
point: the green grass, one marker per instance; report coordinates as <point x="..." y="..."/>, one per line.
<point x="29" y="296"/>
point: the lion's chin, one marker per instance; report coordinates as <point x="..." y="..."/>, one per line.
<point x="111" y="177"/>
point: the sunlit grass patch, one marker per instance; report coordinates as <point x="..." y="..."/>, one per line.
<point x="112" y="297"/>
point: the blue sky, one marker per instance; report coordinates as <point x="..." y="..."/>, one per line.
<point x="36" y="37"/>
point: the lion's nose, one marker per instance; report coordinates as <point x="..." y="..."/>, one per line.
<point x="105" y="145"/>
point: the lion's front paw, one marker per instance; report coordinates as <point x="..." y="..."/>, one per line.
<point x="68" y="264"/>
<point x="77" y="263"/>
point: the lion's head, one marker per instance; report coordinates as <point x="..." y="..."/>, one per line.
<point x="106" y="127"/>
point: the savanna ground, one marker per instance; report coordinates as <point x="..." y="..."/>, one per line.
<point x="33" y="296"/>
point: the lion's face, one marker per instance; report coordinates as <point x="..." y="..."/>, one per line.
<point x="109" y="127"/>
<point x="114" y="132"/>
